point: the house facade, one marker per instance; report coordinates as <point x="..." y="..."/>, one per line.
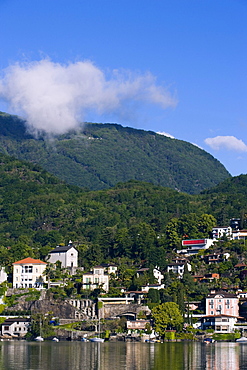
<point x="3" y="275"/>
<point x="97" y="278"/>
<point x="193" y="246"/>
<point x="216" y="258"/>
<point x="110" y="268"/>
<point x="239" y="234"/>
<point x="67" y="255"/>
<point x="220" y="232"/>
<point x="16" y="327"/>
<point x="29" y="273"/>
<point x="219" y="323"/>
<point x="178" y="268"/>
<point x="145" y="288"/>
<point x="221" y="303"/>
<point x="156" y="273"/>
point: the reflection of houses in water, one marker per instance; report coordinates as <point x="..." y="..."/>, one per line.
<point x="223" y="356"/>
<point x="193" y="356"/>
<point x="216" y="356"/>
<point x="139" y="356"/>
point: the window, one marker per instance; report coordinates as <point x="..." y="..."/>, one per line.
<point x="16" y="278"/>
<point x="27" y="269"/>
<point x="212" y="312"/>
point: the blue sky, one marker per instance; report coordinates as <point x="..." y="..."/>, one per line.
<point x="176" y="67"/>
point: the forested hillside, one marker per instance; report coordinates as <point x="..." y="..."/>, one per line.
<point x="134" y="220"/>
<point x="100" y="155"/>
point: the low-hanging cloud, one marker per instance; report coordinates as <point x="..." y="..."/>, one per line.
<point x="226" y="142"/>
<point x="165" y="134"/>
<point x="54" y="98"/>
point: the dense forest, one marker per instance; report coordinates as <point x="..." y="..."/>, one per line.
<point x="98" y="156"/>
<point x="133" y="220"/>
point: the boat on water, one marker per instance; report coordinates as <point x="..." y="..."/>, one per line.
<point x="209" y="340"/>
<point x="84" y="339"/>
<point x="97" y="339"/>
<point x="39" y="339"/>
<point x="241" y="340"/>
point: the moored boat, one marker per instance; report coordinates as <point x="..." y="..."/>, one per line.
<point x="84" y="339"/>
<point x="209" y="340"/>
<point x="97" y="339"/>
<point x="241" y="340"/>
<point x="39" y="339"/>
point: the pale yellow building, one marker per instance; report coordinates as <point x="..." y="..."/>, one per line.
<point x="28" y="273"/>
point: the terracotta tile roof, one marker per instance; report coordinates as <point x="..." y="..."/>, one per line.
<point x="240" y="264"/>
<point x="29" y="260"/>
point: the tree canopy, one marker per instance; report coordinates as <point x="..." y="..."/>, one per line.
<point x="167" y="316"/>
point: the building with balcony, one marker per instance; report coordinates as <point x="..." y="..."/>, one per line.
<point x="222" y="303"/>
<point x="29" y="273"/>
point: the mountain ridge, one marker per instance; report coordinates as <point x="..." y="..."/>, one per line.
<point x="98" y="156"/>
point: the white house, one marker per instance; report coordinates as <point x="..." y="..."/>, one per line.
<point x="193" y="246"/>
<point x="156" y="273"/>
<point x="67" y="255"/>
<point x="145" y="288"/>
<point x="219" y="323"/>
<point x="110" y="268"/>
<point x="239" y="234"/>
<point x="178" y="268"/>
<point x="28" y="273"/>
<point x="219" y="232"/>
<point x="97" y="278"/>
<point x="3" y="275"/>
<point x="17" y="327"/>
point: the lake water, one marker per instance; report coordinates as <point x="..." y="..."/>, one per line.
<point x="20" y="355"/>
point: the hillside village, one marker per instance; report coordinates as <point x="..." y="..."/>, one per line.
<point x="206" y="278"/>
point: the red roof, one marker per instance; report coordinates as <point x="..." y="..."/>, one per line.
<point x="194" y="242"/>
<point x="29" y="260"/>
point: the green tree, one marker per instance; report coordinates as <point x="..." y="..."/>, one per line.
<point x="167" y="316"/>
<point x="154" y="295"/>
<point x="174" y="241"/>
<point x="205" y="224"/>
<point x="40" y="325"/>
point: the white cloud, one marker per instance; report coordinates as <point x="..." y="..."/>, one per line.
<point x="54" y="97"/>
<point x="226" y="142"/>
<point x="165" y="134"/>
<point x="198" y="146"/>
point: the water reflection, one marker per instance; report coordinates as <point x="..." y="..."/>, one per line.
<point x="129" y="356"/>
